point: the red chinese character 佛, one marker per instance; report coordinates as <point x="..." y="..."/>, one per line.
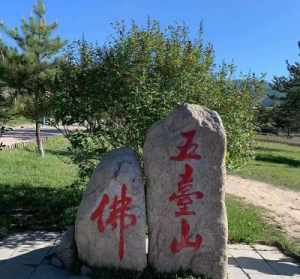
<point x="187" y="150"/>
<point x="183" y="196"/>
<point x="185" y="242"/>
<point x="118" y="216"/>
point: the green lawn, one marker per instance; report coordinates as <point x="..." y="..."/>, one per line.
<point x="42" y="193"/>
<point x="37" y="192"/>
<point x="274" y="163"/>
<point x="25" y="167"/>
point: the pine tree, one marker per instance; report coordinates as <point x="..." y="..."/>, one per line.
<point x="287" y="113"/>
<point x="31" y="67"/>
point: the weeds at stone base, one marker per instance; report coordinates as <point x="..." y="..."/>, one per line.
<point x="148" y="273"/>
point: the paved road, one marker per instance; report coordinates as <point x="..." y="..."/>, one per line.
<point x="26" y="256"/>
<point x="26" y="134"/>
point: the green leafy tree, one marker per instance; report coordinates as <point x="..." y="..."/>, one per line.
<point x="119" y="90"/>
<point x="30" y="68"/>
<point x="287" y="112"/>
<point x="265" y="120"/>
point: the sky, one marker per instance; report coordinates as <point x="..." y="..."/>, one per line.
<point x="256" y="35"/>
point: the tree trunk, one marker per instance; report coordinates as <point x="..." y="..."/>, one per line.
<point x="38" y="138"/>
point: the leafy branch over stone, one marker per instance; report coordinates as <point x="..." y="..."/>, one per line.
<point x="117" y="91"/>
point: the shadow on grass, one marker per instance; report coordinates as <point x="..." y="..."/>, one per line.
<point x="59" y="152"/>
<point x="269" y="149"/>
<point x="24" y="207"/>
<point x="275" y="150"/>
<point x="278" y="160"/>
<point x="31" y="147"/>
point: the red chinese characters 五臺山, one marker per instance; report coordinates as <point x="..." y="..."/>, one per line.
<point x="184" y="197"/>
<point x="118" y="216"/>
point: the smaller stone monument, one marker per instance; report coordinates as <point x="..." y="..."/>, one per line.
<point x="184" y="165"/>
<point x="110" y="224"/>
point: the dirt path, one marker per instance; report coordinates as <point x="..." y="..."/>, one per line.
<point x="284" y="204"/>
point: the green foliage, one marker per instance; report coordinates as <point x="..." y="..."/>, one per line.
<point x="6" y="106"/>
<point x="271" y="94"/>
<point x="12" y="108"/>
<point x="5" y="94"/>
<point x="287" y="113"/>
<point x="265" y="121"/>
<point x="30" y="68"/>
<point x="69" y="213"/>
<point x="118" y="91"/>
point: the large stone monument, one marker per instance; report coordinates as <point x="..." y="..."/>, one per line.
<point x="184" y="165"/>
<point x="110" y="224"/>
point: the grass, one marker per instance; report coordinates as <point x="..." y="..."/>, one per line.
<point x="24" y="166"/>
<point x="18" y="121"/>
<point x="250" y="224"/>
<point x="37" y="192"/>
<point x="274" y="163"/>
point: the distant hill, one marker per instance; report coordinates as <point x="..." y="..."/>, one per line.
<point x="266" y="101"/>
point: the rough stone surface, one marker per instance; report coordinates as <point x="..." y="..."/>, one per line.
<point x="65" y="251"/>
<point x="99" y="227"/>
<point x="184" y="165"/>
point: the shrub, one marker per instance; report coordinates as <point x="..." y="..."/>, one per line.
<point x="118" y="91"/>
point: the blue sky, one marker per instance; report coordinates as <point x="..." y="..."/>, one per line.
<point x="257" y="35"/>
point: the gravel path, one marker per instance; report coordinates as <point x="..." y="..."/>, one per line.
<point x="284" y="205"/>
